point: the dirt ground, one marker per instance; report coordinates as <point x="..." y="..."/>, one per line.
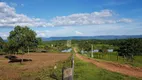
<point x="115" y="67"/>
<point x="39" y="60"/>
<point x="123" y="69"/>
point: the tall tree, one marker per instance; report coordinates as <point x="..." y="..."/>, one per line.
<point x="21" y="38"/>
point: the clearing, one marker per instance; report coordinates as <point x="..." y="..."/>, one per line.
<point x="14" y="71"/>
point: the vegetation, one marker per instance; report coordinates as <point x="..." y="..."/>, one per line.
<point x="82" y="71"/>
<point x="21" y="39"/>
<point x="130" y="48"/>
<point x="55" y="46"/>
<point x="137" y="62"/>
<point x="88" y="71"/>
<point x="126" y="51"/>
<point x="1" y="44"/>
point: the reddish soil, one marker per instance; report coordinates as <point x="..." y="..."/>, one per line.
<point x="123" y="69"/>
<point x="114" y="67"/>
<point x="39" y="60"/>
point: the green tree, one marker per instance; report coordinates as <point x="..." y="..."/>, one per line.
<point x="86" y="45"/>
<point x="1" y="44"/>
<point x="130" y="48"/>
<point x="21" y="38"/>
<point x="39" y="41"/>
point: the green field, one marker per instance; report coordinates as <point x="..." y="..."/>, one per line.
<point x="113" y="57"/>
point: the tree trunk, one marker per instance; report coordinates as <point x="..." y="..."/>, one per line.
<point x="22" y="57"/>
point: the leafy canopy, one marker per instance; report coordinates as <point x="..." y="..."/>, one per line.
<point x="21" y="38"/>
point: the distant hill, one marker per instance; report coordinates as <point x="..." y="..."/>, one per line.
<point x="106" y="37"/>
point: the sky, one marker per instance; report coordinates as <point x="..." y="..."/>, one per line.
<point x="61" y="18"/>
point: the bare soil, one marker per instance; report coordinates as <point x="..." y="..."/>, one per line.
<point x="10" y="71"/>
<point x="114" y="67"/>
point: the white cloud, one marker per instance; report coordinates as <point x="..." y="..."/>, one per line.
<point x="42" y="33"/>
<point x="9" y="17"/>
<point x="125" y="20"/>
<point x="102" y="17"/>
<point x="62" y="31"/>
<point x="78" y="32"/>
<point x="92" y="30"/>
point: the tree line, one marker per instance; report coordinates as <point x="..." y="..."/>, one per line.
<point x="127" y="48"/>
<point x="23" y="39"/>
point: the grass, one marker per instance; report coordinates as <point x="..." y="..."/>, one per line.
<point x="113" y="57"/>
<point x="138" y="60"/>
<point x="82" y="71"/>
<point x="88" y="71"/>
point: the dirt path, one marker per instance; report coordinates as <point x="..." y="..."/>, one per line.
<point x="123" y="69"/>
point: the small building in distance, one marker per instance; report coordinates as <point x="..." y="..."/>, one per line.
<point x="96" y="50"/>
<point x="110" y="50"/>
<point x="67" y="50"/>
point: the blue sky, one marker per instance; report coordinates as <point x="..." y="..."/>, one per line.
<point x="72" y="17"/>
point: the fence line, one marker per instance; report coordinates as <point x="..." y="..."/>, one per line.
<point x="67" y="73"/>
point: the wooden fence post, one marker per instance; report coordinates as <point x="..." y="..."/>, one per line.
<point x="92" y="51"/>
<point x="67" y="73"/>
<point x="72" y="66"/>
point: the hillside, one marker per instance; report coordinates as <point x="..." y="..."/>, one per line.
<point x="106" y="37"/>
